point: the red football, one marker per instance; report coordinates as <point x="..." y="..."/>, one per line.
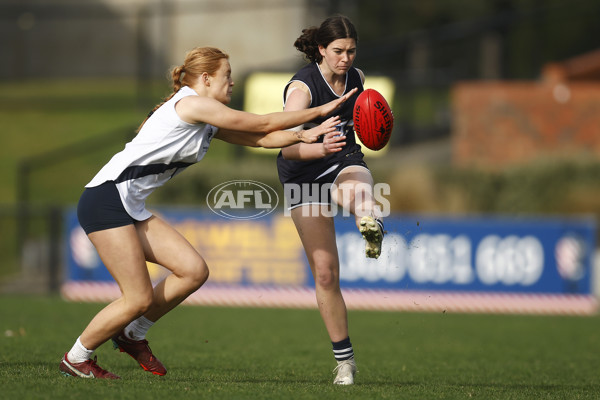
<point x="373" y="119"/>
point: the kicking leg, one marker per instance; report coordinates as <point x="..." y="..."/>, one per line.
<point x="354" y="192"/>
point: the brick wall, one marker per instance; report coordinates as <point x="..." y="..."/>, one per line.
<point x="496" y="124"/>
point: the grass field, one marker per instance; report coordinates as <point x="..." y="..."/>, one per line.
<point x="228" y="353"/>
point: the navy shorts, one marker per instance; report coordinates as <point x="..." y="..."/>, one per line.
<point x="316" y="187"/>
<point x="101" y="208"/>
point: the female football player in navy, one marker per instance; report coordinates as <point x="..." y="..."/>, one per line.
<point x="112" y="208"/>
<point x="329" y="171"/>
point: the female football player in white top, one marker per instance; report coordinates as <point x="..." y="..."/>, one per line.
<point x="112" y="209"/>
<point x="332" y="169"/>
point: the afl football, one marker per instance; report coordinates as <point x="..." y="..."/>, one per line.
<point x="373" y="119"/>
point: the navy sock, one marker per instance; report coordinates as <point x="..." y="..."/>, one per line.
<point x="342" y="350"/>
<point x="380" y="222"/>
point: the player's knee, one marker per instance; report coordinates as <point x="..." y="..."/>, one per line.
<point x="327" y="278"/>
<point x="145" y="305"/>
<point x="197" y="273"/>
<point x="141" y="303"/>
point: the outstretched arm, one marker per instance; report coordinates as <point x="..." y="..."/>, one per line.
<point x="199" y="109"/>
<point x="278" y="138"/>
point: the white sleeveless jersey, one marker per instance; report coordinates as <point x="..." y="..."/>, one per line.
<point x="165" y="146"/>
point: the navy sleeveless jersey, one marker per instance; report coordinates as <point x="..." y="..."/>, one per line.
<point x="298" y="171"/>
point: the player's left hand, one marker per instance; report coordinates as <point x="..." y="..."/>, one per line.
<point x="326" y="127"/>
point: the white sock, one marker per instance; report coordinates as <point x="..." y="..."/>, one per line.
<point x="79" y="353"/>
<point x="138" y="328"/>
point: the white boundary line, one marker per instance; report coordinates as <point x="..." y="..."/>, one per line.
<point x="361" y="299"/>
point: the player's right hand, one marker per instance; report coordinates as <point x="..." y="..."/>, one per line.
<point x="330" y="107"/>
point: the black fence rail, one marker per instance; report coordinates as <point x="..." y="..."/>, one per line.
<point x="31" y="232"/>
<point x="34" y="263"/>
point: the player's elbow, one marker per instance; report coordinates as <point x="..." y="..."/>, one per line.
<point x="254" y="140"/>
<point x="266" y="143"/>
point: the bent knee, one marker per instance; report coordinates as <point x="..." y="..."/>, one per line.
<point x="197" y="272"/>
<point x="201" y="274"/>
<point x="141" y="303"/>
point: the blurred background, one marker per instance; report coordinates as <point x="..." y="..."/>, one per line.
<point x="496" y="104"/>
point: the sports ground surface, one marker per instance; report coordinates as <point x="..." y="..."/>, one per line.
<point x="243" y="353"/>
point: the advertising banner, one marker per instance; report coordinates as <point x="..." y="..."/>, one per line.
<point x="445" y="264"/>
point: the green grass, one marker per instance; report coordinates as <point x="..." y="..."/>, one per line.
<point x="229" y="353"/>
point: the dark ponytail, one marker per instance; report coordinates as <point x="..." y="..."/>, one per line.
<point x="307" y="44"/>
